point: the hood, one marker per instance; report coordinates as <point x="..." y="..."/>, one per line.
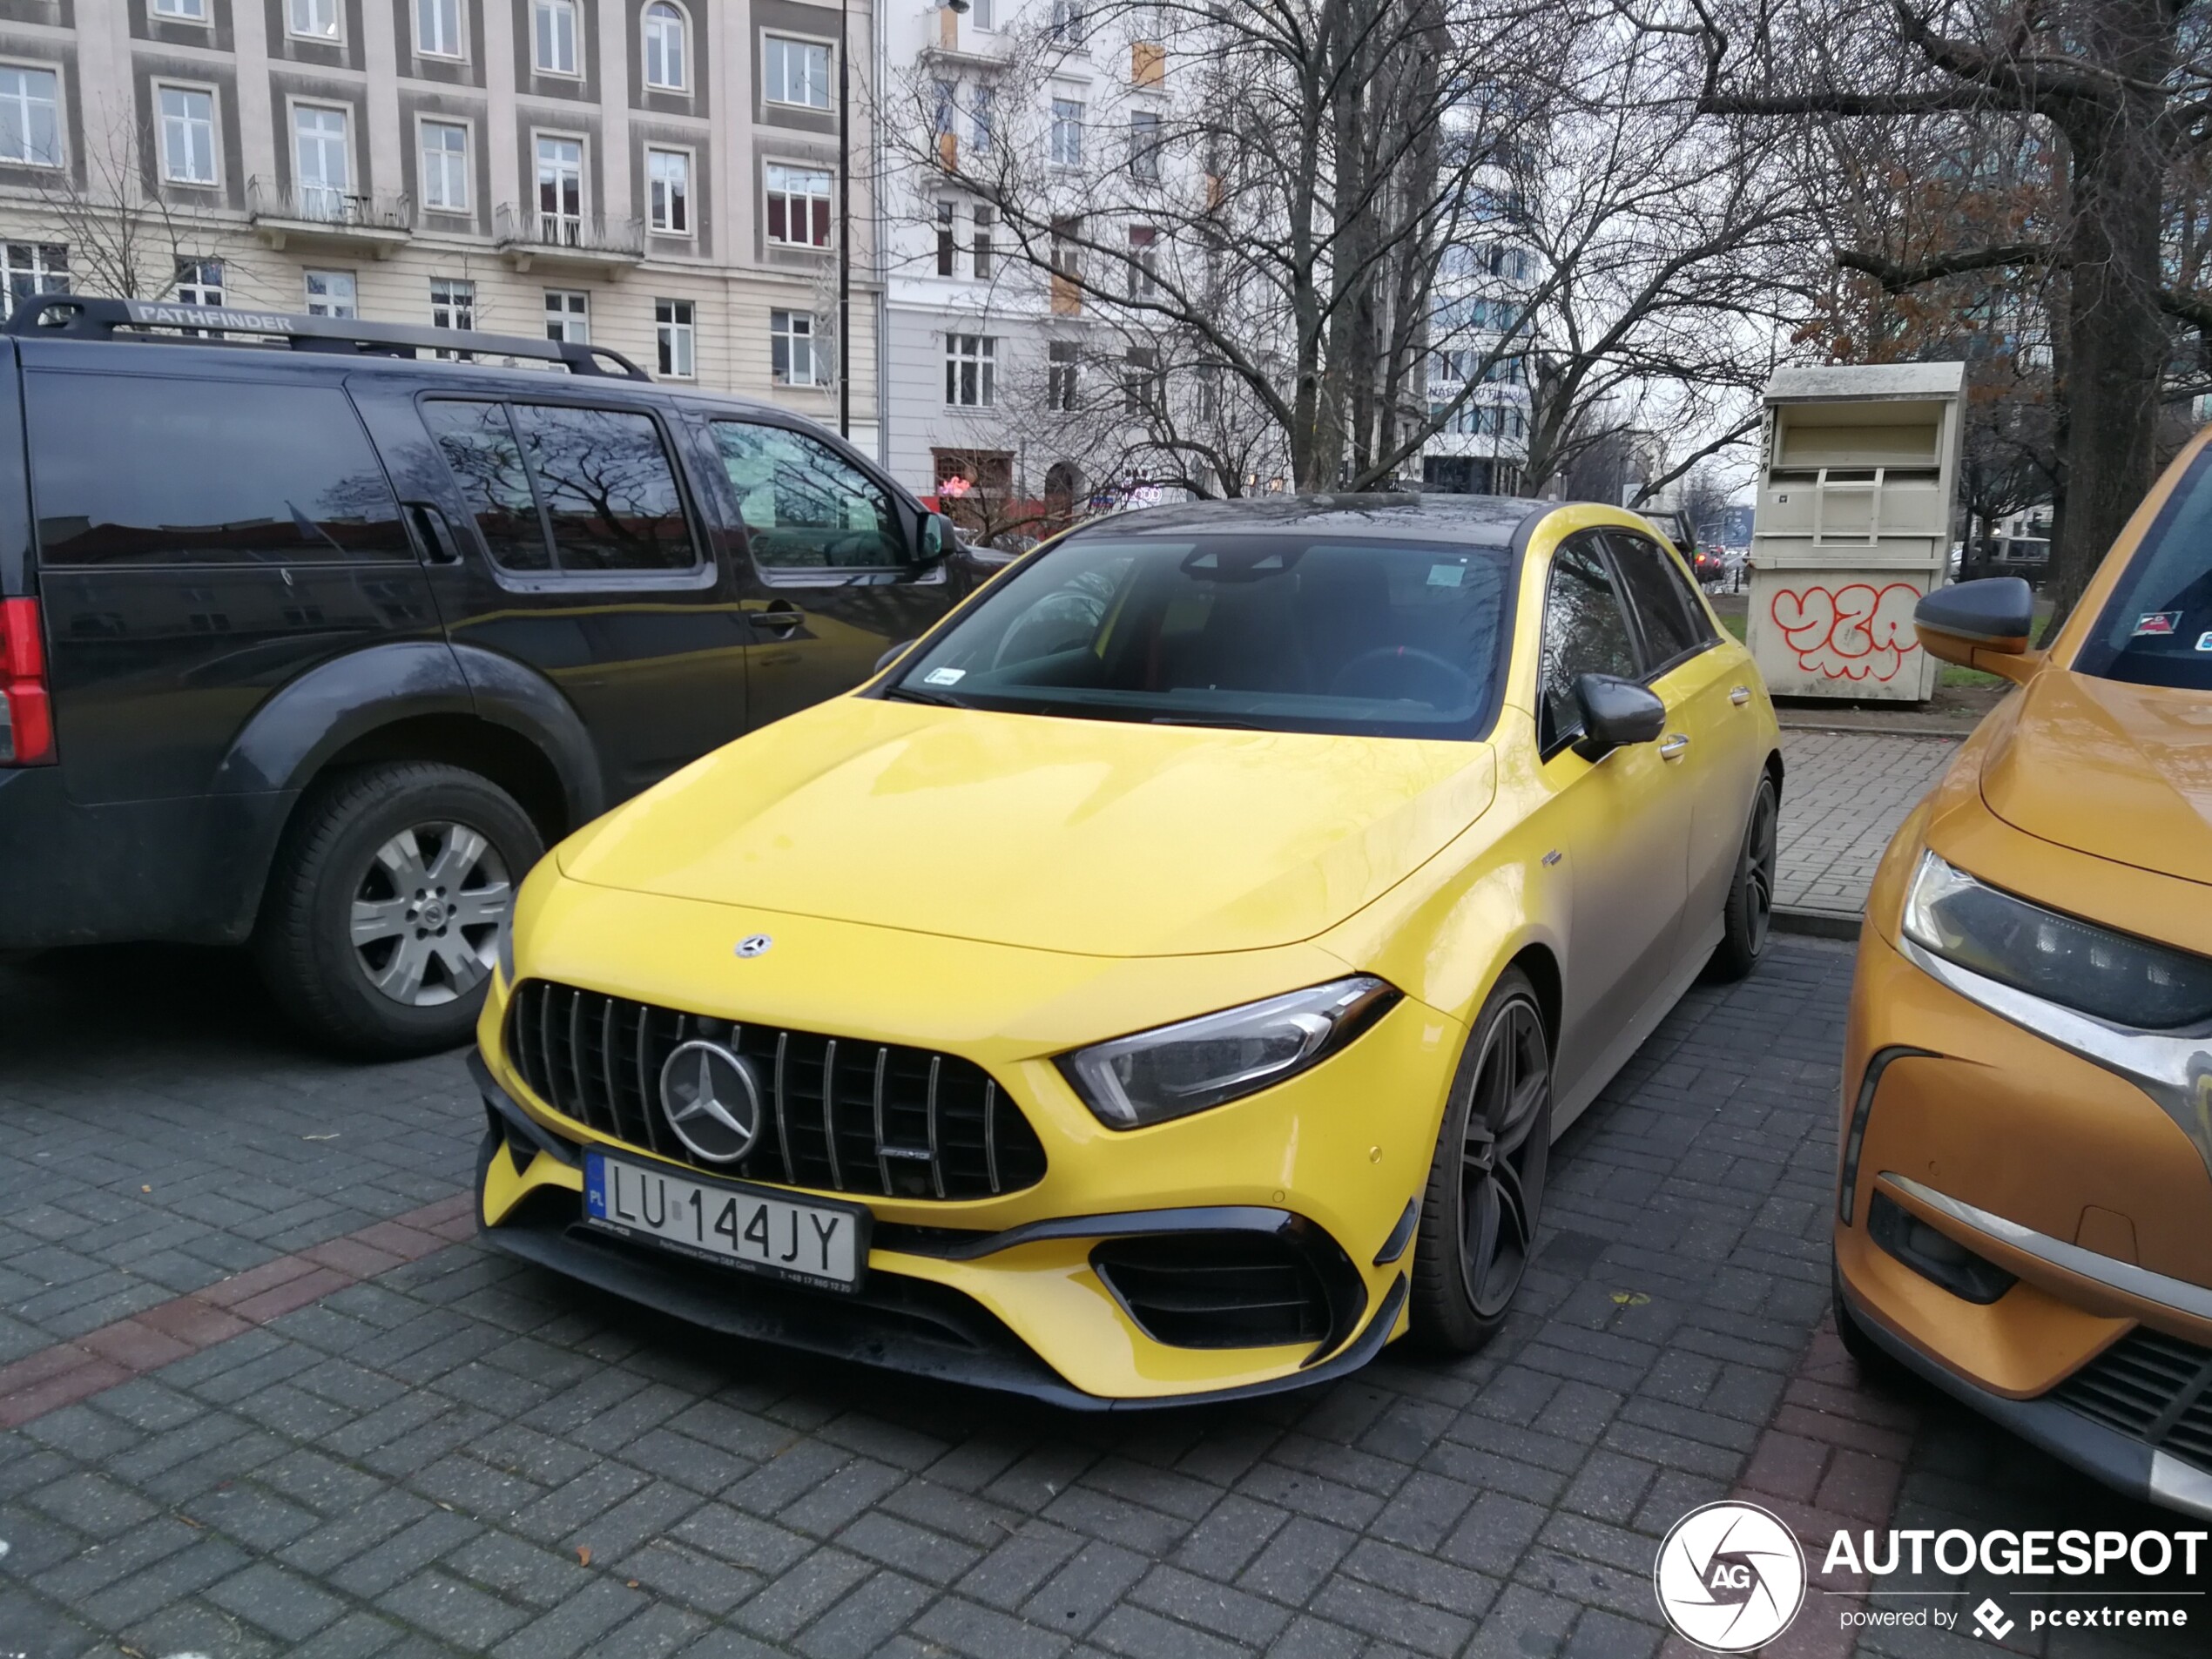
<point x="2120" y="771"/>
<point x="1094" y="837"/>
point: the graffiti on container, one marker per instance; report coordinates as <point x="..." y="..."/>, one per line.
<point x="1855" y="632"/>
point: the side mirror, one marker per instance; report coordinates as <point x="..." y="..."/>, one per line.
<point x="936" y="540"/>
<point x="1982" y="624"/>
<point x="1615" y="712"/>
<point x="891" y="656"/>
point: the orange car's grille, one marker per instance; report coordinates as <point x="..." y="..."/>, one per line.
<point x="2152" y="1387"/>
<point x="838" y="1116"/>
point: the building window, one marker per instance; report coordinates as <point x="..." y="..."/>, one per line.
<point x="1061" y="376"/>
<point x="983" y="14"/>
<point x="321" y="161"/>
<point x="796" y="72"/>
<point x="668" y="191"/>
<point x="560" y="191"/>
<point x="1067" y="267"/>
<point x="667" y="54"/>
<point x="799" y="205"/>
<point x="445" y="166"/>
<point x="1068" y="22"/>
<point x="200" y="282"/>
<point x="330" y="294"/>
<point x="971" y="371"/>
<point x="312" y="19"/>
<point x="553" y="36"/>
<point x="1144" y="146"/>
<point x="29" y="128"/>
<point x="188" y="134"/>
<point x="982" y="119"/>
<point x="1144" y="256"/>
<point x="30" y="268"/>
<point x="568" y="316"/>
<point x="453" y="303"/>
<point x="948" y="237"/>
<point x="791" y="348"/>
<point x="984" y="221"/>
<point x="437" y="28"/>
<point x="1066" y="143"/>
<point x="673" y="337"/>
<point x="1141" y="383"/>
<point x="182" y="11"/>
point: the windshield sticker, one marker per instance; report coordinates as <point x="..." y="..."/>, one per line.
<point x="1447" y="575"/>
<point x="2158" y="622"/>
<point x="944" y="677"/>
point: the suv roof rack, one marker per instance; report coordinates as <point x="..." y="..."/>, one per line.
<point x="75" y="317"/>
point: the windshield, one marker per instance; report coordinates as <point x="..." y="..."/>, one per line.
<point x="2157" y="631"/>
<point x="1278" y="632"/>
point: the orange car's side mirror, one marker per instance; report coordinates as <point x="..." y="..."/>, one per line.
<point x="1983" y="624"/>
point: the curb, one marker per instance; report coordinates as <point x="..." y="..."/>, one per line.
<point x="1875" y="730"/>
<point x="1818" y="924"/>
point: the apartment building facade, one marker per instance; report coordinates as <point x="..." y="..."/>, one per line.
<point x="660" y="177"/>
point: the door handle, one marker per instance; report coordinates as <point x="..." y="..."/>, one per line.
<point x="780" y="620"/>
<point x="1673" y="746"/>
<point x="1740" y="696"/>
<point x="430" y="526"/>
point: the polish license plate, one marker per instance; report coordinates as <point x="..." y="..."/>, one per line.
<point x="823" y="1245"/>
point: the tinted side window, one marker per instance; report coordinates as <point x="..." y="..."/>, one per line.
<point x="609" y="491"/>
<point x="1673" y="625"/>
<point x="804" y="505"/>
<point x="486" y="457"/>
<point x="142" y="469"/>
<point x="1584" y="633"/>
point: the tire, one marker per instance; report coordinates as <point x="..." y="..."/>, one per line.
<point x="423" y="859"/>
<point x="1873" y="1360"/>
<point x="1747" y="920"/>
<point x="1486" y="1184"/>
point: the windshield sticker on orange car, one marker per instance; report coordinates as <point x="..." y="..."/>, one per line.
<point x="2158" y="622"/>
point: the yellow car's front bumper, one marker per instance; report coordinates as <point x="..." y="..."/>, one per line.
<point x="1321" y="1170"/>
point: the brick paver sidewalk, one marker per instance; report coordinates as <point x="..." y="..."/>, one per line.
<point x="1844" y="794"/>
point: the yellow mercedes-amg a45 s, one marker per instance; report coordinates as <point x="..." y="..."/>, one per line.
<point x="1166" y="980"/>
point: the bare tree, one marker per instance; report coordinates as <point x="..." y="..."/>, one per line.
<point x="2119" y="92"/>
<point x="123" y="237"/>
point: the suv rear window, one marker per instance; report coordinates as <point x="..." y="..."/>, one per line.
<point x="555" y="487"/>
<point x="145" y="470"/>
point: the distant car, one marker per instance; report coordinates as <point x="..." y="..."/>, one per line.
<point x="2024" y="1203"/>
<point x="1334" y="852"/>
<point x="318" y="647"/>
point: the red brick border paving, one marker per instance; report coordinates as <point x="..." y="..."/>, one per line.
<point x="1832" y="1458"/>
<point x="68" y="1372"/>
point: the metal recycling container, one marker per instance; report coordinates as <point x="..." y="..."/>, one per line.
<point x="1857" y="480"/>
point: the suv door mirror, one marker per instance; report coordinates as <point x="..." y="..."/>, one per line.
<point x="1615" y="712"/>
<point x="936" y="539"/>
<point x="1982" y="624"/>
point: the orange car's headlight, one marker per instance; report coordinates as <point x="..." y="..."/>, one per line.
<point x="2107" y="975"/>
<point x="1174" y="1070"/>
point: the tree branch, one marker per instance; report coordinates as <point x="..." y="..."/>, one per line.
<point x="1895" y="278"/>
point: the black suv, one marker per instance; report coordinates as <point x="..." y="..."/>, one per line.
<point x="320" y="647"/>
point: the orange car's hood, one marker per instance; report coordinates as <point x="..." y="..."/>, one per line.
<point x="2119" y="771"/>
<point x="1093" y="837"/>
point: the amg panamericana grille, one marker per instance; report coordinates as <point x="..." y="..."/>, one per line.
<point x="838" y="1116"/>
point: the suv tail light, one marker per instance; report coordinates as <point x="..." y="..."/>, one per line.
<point x="26" y="712"/>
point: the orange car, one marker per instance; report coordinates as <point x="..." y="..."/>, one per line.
<point x="2024" y="1201"/>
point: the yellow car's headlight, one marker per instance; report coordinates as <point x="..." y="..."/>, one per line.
<point x="2109" y="975"/>
<point x="1176" y="1069"/>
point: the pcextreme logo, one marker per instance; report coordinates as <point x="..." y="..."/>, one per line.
<point x="1731" y="1577"/>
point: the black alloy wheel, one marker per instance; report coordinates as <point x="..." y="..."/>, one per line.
<point x="1486" y="1189"/>
<point x="1747" y="917"/>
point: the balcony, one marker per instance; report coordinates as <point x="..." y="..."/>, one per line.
<point x="323" y="216"/>
<point x="586" y="242"/>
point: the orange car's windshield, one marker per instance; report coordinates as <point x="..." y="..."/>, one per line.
<point x="2157" y="629"/>
<point x="1277" y="631"/>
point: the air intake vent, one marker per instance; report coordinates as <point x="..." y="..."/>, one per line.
<point x="840" y="1116"/>
<point x="2152" y="1387"/>
<point x="1216" y="1290"/>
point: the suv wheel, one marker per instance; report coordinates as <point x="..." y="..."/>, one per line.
<point x="381" y="921"/>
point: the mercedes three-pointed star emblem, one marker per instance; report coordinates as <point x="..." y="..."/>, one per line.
<point x="711" y="1101"/>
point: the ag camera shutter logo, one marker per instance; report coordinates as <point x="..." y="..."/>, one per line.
<point x="1731" y="1577"/>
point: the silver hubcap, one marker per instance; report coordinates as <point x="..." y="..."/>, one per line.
<point x="426" y="914"/>
<point x="1502" y="1164"/>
